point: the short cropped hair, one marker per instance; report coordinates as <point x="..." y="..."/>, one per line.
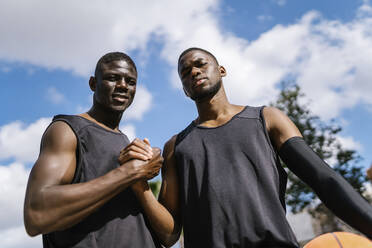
<point x="198" y="49"/>
<point x="113" y="56"/>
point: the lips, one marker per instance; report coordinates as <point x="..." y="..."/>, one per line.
<point x="199" y="81"/>
<point x="120" y="97"/>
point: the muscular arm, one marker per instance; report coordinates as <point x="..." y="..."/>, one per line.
<point x="279" y="127"/>
<point x="163" y="216"/>
<point x="333" y="190"/>
<point x="51" y="202"/>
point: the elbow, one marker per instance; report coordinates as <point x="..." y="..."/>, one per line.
<point x="168" y="244"/>
<point x="32" y="232"/>
<point x="170" y="241"/>
<point x="31" y="229"/>
<point x="33" y="223"/>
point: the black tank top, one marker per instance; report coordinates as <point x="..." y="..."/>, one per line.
<point x="118" y="223"/>
<point x="232" y="185"/>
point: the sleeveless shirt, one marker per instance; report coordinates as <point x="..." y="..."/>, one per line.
<point x="232" y="185"/>
<point x="119" y="222"/>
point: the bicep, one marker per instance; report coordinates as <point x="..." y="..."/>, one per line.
<point x="279" y="126"/>
<point x="168" y="196"/>
<point x="57" y="159"/>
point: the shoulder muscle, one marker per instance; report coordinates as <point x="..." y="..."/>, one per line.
<point x="57" y="160"/>
<point x="279" y="126"/>
<point x="169" y="191"/>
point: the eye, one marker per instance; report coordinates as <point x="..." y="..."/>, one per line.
<point x="111" y="77"/>
<point x="201" y="64"/>
<point x="131" y="81"/>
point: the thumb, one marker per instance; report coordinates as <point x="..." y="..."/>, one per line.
<point x="146" y="140"/>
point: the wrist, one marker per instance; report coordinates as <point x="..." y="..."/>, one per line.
<point x="132" y="169"/>
<point x="140" y="186"/>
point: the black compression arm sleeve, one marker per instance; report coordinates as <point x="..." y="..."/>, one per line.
<point x="333" y="190"/>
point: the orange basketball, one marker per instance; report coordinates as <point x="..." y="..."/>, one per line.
<point x="339" y="240"/>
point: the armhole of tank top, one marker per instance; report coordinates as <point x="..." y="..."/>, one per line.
<point x="77" y="173"/>
<point x="279" y="167"/>
<point x="176" y="141"/>
<point x="262" y="119"/>
<point x="181" y="135"/>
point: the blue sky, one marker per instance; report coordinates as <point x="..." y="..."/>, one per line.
<point x="49" y="49"/>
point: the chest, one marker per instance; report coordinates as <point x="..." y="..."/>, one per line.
<point x="99" y="151"/>
<point x="241" y="137"/>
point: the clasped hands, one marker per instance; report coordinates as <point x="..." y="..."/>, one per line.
<point x="144" y="160"/>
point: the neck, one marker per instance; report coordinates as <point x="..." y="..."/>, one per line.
<point x="214" y="109"/>
<point x="103" y="116"/>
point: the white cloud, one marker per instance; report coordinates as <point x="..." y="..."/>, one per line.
<point x="13" y="180"/>
<point x="22" y="142"/>
<point x="365" y="9"/>
<point x="141" y="104"/>
<point x="280" y="2"/>
<point x="54" y="96"/>
<point x="334" y="68"/>
<point x="329" y="58"/>
<point x="349" y="143"/>
<point x="346" y="142"/>
<point x="72" y="35"/>
<point x="301" y="224"/>
<point x="129" y="130"/>
<point x="17" y="238"/>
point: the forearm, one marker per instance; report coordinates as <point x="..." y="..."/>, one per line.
<point x="57" y="207"/>
<point x="162" y="222"/>
<point x="334" y="191"/>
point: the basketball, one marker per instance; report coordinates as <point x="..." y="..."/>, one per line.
<point x="339" y="240"/>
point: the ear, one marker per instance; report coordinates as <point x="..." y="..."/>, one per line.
<point x="92" y="83"/>
<point x="222" y="71"/>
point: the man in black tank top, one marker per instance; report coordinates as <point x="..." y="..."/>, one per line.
<point x="79" y="192"/>
<point x="222" y="180"/>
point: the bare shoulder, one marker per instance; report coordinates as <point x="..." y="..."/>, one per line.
<point x="271" y="110"/>
<point x="169" y="191"/>
<point x="276" y="120"/>
<point x="273" y="116"/>
<point x="169" y="146"/>
<point x="59" y="135"/>
<point x="168" y="155"/>
<point x="56" y="163"/>
<point x="279" y="126"/>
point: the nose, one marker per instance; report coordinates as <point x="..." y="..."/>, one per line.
<point x="121" y="83"/>
<point x="195" y="71"/>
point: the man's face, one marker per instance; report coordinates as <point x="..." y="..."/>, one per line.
<point x="116" y="85"/>
<point x="200" y="75"/>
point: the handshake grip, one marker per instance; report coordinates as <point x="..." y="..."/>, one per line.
<point x="146" y="169"/>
